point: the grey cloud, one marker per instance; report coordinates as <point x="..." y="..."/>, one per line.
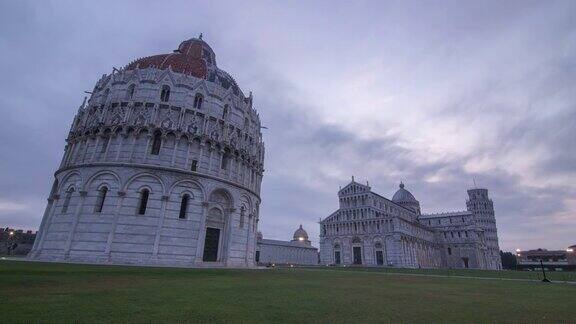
<point x="498" y="58"/>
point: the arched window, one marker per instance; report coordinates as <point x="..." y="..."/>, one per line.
<point x="224" y="162"/>
<point x="184" y="206"/>
<point x="242" y="212"/>
<point x="100" y="199"/>
<point x="165" y="93"/>
<point x="130" y="91"/>
<point x="225" y="112"/>
<point x="156" y="143"/>
<point x="69" y="193"/>
<point x="198" y="101"/>
<point x="144" y="194"/>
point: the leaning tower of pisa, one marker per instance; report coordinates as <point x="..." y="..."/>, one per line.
<point x="162" y="166"/>
<point x="483" y="209"/>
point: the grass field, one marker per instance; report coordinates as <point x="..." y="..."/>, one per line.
<point x="556" y="276"/>
<point x="32" y="292"/>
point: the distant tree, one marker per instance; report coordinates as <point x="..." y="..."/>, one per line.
<point x="508" y="260"/>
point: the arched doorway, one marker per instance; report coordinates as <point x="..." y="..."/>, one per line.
<point x="379" y="253"/>
<point x="216" y="227"/>
<point x="337" y="257"/>
<point x="357" y="250"/>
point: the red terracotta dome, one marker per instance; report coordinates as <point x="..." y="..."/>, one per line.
<point x="192" y="57"/>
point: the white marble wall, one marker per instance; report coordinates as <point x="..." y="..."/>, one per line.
<point x="287" y="254"/>
<point x="110" y="144"/>
<point x="118" y="234"/>
<point x="368" y="221"/>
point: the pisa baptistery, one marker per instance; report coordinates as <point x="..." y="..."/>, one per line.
<point x="162" y="166"/>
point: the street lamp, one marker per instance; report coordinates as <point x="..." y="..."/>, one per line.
<point x="9" y="243"/>
<point x="543" y="272"/>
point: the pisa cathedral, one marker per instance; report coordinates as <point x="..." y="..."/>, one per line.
<point x="298" y="251"/>
<point x="371" y="230"/>
<point x="162" y="166"/>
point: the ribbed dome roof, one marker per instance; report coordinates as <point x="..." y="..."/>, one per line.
<point x="403" y="195"/>
<point x="192" y="57"/>
<point x="300" y="234"/>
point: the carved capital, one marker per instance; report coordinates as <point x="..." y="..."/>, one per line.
<point x="83" y="193"/>
<point x="205" y="204"/>
<point x="165" y="198"/>
<point x="55" y="197"/>
<point x="121" y="193"/>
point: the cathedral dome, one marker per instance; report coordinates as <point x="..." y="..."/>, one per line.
<point x="405" y="198"/>
<point x="403" y="195"/>
<point x="301" y="235"/>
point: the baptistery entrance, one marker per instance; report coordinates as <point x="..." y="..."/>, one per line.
<point x="211" y="243"/>
<point x="217" y="227"/>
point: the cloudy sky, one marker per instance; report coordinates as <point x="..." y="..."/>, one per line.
<point x="433" y="93"/>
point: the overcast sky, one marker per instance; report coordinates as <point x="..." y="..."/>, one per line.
<point x="433" y="93"/>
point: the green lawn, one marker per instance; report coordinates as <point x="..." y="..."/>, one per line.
<point x="557" y="276"/>
<point x="82" y="293"/>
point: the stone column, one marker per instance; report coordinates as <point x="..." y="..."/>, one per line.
<point x="201" y="154"/>
<point x="64" y="156"/>
<point x="211" y="149"/>
<point x="165" y="200"/>
<point x="134" y="147"/>
<point x="75" y="221"/>
<point x="187" y="160"/>
<point x="247" y="226"/>
<point x="109" y="139"/>
<point x="107" y="252"/>
<point x="95" y="148"/>
<point x="87" y="145"/>
<point x="46" y="218"/>
<point x="219" y="166"/>
<point x="201" y="234"/>
<point x="120" y="141"/>
<point x="70" y="153"/>
<point x="176" y="142"/>
<point x="227" y="239"/>
<point x="149" y="136"/>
